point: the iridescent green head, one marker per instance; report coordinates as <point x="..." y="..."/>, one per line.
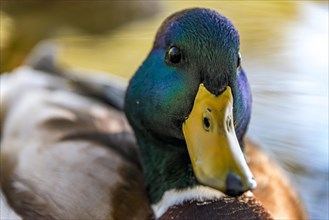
<point x="193" y="47"/>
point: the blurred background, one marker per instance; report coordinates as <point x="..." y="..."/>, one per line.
<point x="284" y="45"/>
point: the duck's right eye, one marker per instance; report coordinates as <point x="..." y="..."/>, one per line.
<point x="174" y="55"/>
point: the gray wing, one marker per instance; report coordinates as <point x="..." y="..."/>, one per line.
<point x="105" y="87"/>
<point x="66" y="155"/>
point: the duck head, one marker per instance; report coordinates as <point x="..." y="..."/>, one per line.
<point x="192" y="95"/>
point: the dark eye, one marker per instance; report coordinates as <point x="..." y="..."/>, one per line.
<point x="174" y="55"/>
<point x="239" y="61"/>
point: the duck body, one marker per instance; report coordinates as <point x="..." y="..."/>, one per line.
<point x="66" y="155"/>
<point x="223" y="208"/>
<point x="35" y="190"/>
<point x="72" y="158"/>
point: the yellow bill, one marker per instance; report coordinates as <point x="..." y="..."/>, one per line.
<point x="214" y="150"/>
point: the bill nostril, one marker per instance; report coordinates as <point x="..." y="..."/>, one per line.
<point x="234" y="185"/>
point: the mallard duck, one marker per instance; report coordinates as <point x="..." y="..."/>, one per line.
<point x="68" y="155"/>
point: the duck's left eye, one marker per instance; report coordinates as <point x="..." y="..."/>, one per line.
<point x="239" y="61"/>
<point x="174" y="55"/>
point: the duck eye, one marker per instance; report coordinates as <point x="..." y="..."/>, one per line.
<point x="174" y="55"/>
<point x="239" y="61"/>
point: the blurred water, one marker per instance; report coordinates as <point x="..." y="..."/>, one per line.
<point x="290" y="108"/>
